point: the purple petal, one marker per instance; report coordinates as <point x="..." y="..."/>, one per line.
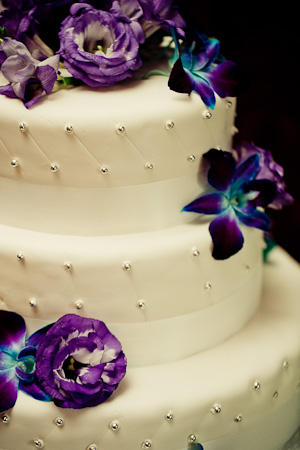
<point x="114" y="372"/>
<point x="8" y="389"/>
<point x="178" y="80"/>
<point x="12" y="331"/>
<point x="248" y="169"/>
<point x="35" y="339"/>
<point x="213" y="203"/>
<point x="8" y="91"/>
<point x="35" y="391"/>
<point x="253" y="218"/>
<point x="222" y="169"/>
<point x="227" y="79"/>
<point x="91" y="375"/>
<point x="203" y="89"/>
<point x="226" y="235"/>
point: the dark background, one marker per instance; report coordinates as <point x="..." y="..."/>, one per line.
<point x="266" y="46"/>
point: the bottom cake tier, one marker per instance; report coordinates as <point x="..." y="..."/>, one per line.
<point x="241" y="394"/>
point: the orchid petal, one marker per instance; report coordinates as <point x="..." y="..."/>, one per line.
<point x="35" y="339"/>
<point x="226" y="235"/>
<point x="226" y="79"/>
<point x="203" y="89"/>
<point x="8" y="389"/>
<point x="248" y="169"/>
<point x="213" y="203"/>
<point x="12" y="331"/>
<point x="222" y="169"/>
<point x="178" y="80"/>
<point x="253" y="218"/>
<point x="35" y="391"/>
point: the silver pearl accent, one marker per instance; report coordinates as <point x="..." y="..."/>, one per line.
<point x="191" y="158"/>
<point x="14" y="162"/>
<point x="126" y="266"/>
<point x="207" y="286"/>
<point x="32" y="302"/>
<point x="92" y="447"/>
<point x="68" y="266"/>
<point x="216" y="409"/>
<point x="285" y="365"/>
<point x="120" y="129"/>
<point x="207" y="114"/>
<point x="238" y="418"/>
<point x="192" y="438"/>
<point x="54" y="168"/>
<point x="23" y="127"/>
<point x="256" y="385"/>
<point x="69" y="129"/>
<point x="141" y="304"/>
<point x="104" y="170"/>
<point x="149" y="166"/>
<point x="228" y="104"/>
<point x="146" y="444"/>
<point x="59" y="421"/>
<point x="20" y="257"/>
<point x="195" y="252"/>
<point x="38" y="443"/>
<point x="79" y="304"/>
<point x="114" y="426"/>
<point x="247" y="268"/>
<point x="275" y="395"/>
<point x="169" y="416"/>
<point x="5" y="418"/>
<point x="298" y="385"/>
<point x="169" y="125"/>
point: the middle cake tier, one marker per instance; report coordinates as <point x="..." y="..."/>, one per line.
<point x="149" y="288"/>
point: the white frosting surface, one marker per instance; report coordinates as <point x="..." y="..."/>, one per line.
<point x="267" y="351"/>
<point x="128" y="197"/>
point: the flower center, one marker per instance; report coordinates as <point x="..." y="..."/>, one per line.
<point x="71" y="367"/>
<point x="27" y="365"/>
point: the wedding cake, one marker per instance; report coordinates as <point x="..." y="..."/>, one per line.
<point x="142" y="305"/>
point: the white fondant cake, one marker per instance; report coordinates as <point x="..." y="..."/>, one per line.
<point x="93" y="185"/>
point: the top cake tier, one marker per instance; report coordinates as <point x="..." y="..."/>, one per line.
<point x="131" y="152"/>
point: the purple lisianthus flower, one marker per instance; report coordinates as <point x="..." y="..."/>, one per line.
<point x="269" y="170"/>
<point x="79" y="363"/>
<point x="198" y="69"/>
<point x="97" y="47"/>
<point x="28" y="77"/>
<point x="17" y="360"/>
<point x="129" y="11"/>
<point x="235" y="200"/>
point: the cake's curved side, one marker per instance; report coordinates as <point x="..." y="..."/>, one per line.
<point x="243" y="393"/>
<point x="71" y="154"/>
<point x="141" y="285"/>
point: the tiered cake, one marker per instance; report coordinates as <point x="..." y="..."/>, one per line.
<point x="94" y="187"/>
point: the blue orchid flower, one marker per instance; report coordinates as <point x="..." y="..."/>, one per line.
<point x="235" y="200"/>
<point x="17" y="360"/>
<point x="200" y="69"/>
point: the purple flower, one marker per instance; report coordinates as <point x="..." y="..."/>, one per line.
<point x="237" y="195"/>
<point x="269" y="170"/>
<point x="97" y="47"/>
<point x="17" y="360"/>
<point x="161" y="14"/>
<point x="28" y="77"/>
<point x="198" y="69"/>
<point x="79" y="362"/>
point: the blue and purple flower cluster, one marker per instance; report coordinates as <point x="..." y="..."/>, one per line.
<point x="244" y="183"/>
<point x="99" y="43"/>
<point x="75" y="362"/>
